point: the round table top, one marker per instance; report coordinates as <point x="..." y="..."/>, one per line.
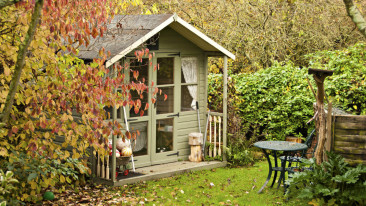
<point x="280" y="145"/>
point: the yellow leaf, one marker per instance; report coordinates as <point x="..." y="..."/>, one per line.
<point x="355" y="106"/>
<point x="75" y="155"/>
<point x="3" y="152"/>
<point x="28" y="100"/>
<point x="33" y="185"/>
<point x="47" y="181"/>
<point x="6" y="71"/>
<point x="62" y="179"/>
<point x="46" y="135"/>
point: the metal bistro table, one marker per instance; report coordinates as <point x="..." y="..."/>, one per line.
<point x="275" y="146"/>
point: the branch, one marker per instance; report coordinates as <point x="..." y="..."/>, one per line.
<point x="23" y="47"/>
<point x="5" y="3"/>
<point x="356" y="16"/>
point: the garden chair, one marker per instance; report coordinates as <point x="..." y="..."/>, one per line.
<point x="293" y="158"/>
<point x="304" y="153"/>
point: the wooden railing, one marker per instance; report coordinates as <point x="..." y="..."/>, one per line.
<point x="214" y="134"/>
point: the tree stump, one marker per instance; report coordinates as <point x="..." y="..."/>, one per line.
<point x="195" y="140"/>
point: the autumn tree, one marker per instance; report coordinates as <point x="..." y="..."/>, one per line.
<point x="47" y="92"/>
<point x="260" y="32"/>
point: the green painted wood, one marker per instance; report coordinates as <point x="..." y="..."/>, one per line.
<point x="172" y="42"/>
<point x="224" y="129"/>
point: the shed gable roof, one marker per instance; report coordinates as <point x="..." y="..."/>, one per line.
<point x="127" y="32"/>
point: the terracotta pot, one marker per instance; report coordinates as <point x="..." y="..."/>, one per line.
<point x="293" y="139"/>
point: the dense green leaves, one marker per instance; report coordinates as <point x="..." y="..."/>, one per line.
<point x="277" y="101"/>
<point x="274" y="102"/>
<point x="347" y="86"/>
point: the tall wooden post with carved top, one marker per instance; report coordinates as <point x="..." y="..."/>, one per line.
<point x="320" y="125"/>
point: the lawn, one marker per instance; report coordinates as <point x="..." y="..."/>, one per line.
<point x="221" y="186"/>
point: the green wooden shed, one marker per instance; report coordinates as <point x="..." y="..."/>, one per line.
<point x="182" y="52"/>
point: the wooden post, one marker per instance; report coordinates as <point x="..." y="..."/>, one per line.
<point x="319" y="76"/>
<point x="98" y="165"/>
<point x="219" y="136"/>
<point x="215" y="121"/>
<point x="328" y="136"/>
<point x="114" y="140"/>
<point x="210" y="131"/>
<point x="224" y="118"/>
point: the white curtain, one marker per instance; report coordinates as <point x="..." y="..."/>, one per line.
<point x="189" y="68"/>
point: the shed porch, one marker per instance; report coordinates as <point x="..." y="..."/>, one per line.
<point x="161" y="171"/>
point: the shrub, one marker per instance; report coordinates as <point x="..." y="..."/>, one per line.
<point x="347" y="86"/>
<point x="276" y="102"/>
<point x="37" y="173"/>
<point x="331" y="183"/>
<point x="7" y="186"/>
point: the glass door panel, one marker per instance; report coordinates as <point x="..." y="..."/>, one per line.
<point x="140" y="145"/>
<point x="165" y="112"/>
<point x="165" y="106"/>
<point x="164" y="135"/>
<point x="140" y="72"/>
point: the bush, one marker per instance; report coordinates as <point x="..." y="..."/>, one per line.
<point x="277" y="102"/>
<point x="347" y="86"/>
<point x="37" y="173"/>
<point x="331" y="183"/>
<point x="271" y="103"/>
<point x="7" y="187"/>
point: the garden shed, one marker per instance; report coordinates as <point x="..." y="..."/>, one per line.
<point x="182" y="52"/>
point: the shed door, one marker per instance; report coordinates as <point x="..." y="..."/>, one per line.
<point x="165" y="112"/>
<point x="157" y="142"/>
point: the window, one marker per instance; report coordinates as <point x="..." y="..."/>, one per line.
<point x="189" y="85"/>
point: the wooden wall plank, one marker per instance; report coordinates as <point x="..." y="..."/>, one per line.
<point x="348" y="125"/>
<point x="338" y="131"/>
<point x="355" y="145"/>
<point x="354" y="156"/>
<point x="350" y="118"/>
<point x="355" y="162"/>
<point x="350" y="138"/>
<point x="350" y="150"/>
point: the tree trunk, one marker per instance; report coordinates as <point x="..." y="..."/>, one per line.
<point x="19" y="65"/>
<point x="356" y="16"/>
<point x="321" y="120"/>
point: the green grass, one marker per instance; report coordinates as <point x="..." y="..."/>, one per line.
<point x="231" y="186"/>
